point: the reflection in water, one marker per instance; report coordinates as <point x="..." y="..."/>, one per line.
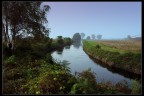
<point x="77" y="45"/>
<point x="116" y="70"/>
<point x="67" y="47"/>
<point x="80" y="61"/>
<point x="60" y="51"/>
<point x="64" y="63"/>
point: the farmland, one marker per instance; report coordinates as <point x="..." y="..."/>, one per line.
<point x="123" y="45"/>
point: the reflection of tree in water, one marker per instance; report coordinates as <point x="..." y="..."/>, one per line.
<point x="77" y="45"/>
<point x="60" y="51"/>
<point x="67" y="47"/>
<point x="65" y="64"/>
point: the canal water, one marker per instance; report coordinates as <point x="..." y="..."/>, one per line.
<point x="78" y="61"/>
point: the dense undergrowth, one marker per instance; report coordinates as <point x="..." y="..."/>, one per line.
<point x="31" y="70"/>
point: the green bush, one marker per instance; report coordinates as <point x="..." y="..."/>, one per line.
<point x="86" y="83"/>
<point x="10" y="59"/>
<point x="98" y="46"/>
<point x="54" y="82"/>
<point x="136" y="88"/>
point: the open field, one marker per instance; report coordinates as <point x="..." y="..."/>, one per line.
<point x="125" y="45"/>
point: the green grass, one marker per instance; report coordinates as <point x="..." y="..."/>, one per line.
<point x="107" y="47"/>
<point x="121" y="58"/>
<point x="123" y="45"/>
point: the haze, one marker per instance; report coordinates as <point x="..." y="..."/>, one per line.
<point x="112" y="20"/>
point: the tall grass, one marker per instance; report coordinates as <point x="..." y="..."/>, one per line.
<point x="125" y="45"/>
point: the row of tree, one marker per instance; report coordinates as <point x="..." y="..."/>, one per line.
<point x="93" y="36"/>
<point x="77" y="37"/>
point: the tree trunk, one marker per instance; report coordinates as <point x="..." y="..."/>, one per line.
<point x="7" y="31"/>
<point x="3" y="30"/>
<point x="13" y="37"/>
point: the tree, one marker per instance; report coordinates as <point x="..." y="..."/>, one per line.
<point x="67" y="40"/>
<point x="129" y="37"/>
<point x="99" y="36"/>
<point x="93" y="36"/>
<point x="82" y="35"/>
<point x="24" y="18"/>
<point x="59" y="37"/>
<point x="88" y="38"/>
<point x="60" y="40"/>
<point x="76" y="37"/>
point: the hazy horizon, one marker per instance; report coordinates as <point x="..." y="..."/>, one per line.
<point x="113" y="20"/>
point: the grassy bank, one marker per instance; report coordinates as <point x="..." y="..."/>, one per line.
<point x="118" y="54"/>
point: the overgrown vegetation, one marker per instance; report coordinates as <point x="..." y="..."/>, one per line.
<point x="43" y="75"/>
<point x="28" y="67"/>
<point x="27" y="76"/>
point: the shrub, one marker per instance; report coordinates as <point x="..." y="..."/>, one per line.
<point x="98" y="46"/>
<point x="86" y="83"/>
<point x="13" y="74"/>
<point x="54" y="82"/>
<point x="122" y="86"/>
<point x="10" y="62"/>
<point x="10" y="59"/>
<point x="13" y="86"/>
<point x="136" y="89"/>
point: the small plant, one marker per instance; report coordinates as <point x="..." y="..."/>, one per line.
<point x="98" y="46"/>
<point x="135" y="87"/>
<point x="86" y="83"/>
<point x="10" y="59"/>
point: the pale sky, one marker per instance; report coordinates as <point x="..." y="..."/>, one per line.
<point x="110" y="19"/>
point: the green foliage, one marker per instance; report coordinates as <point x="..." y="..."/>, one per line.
<point x="37" y="73"/>
<point x="21" y="16"/>
<point x="60" y="40"/>
<point x="119" y="58"/>
<point x="98" y="46"/>
<point x="67" y="41"/>
<point x="23" y="46"/>
<point x="54" y="82"/>
<point x="86" y="83"/>
<point x="49" y="45"/>
<point x="13" y="74"/>
<point x="60" y="43"/>
<point x="11" y="59"/>
<point x="136" y="88"/>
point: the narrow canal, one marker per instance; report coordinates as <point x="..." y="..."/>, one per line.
<point x="78" y="61"/>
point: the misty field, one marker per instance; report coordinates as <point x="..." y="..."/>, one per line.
<point x="123" y="45"/>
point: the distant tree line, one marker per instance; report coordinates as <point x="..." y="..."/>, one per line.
<point x="77" y="37"/>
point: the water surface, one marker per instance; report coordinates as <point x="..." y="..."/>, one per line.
<point x="80" y="61"/>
